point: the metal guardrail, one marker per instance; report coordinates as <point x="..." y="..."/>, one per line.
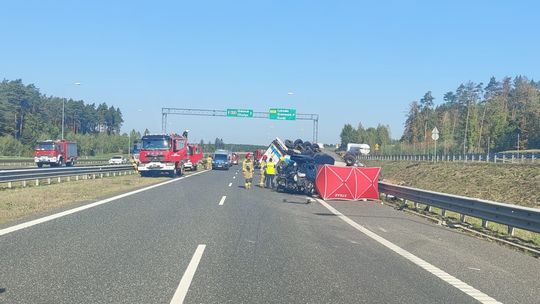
<point x="494" y="158"/>
<point x="6" y="163"/>
<point x="506" y="214"/>
<point x="7" y="176"/>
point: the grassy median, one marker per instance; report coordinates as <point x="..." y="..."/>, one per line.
<point x="18" y="203"/>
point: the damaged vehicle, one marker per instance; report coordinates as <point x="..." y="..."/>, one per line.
<point x="296" y="172"/>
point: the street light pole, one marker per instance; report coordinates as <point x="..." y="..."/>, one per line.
<point x="63" y="112"/>
<point x="129" y="145"/>
<point x="63" y="106"/>
<point x="518" y="145"/>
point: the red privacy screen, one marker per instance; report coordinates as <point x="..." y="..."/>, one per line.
<point x="347" y="183"/>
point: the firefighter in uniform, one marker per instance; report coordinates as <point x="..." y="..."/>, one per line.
<point x="247" y="170"/>
<point x="261" y="171"/>
<point x="209" y="162"/>
<point x="135" y="164"/>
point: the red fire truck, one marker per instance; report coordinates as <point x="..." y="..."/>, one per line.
<point x="257" y="156"/>
<point x="167" y="153"/>
<point x="195" y="156"/>
<point x="55" y="153"/>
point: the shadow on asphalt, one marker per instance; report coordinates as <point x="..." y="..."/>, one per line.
<point x="304" y="202"/>
<point x="255" y="187"/>
<point x="2" y="290"/>
<point x="324" y="214"/>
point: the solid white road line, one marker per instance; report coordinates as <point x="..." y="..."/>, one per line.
<point x="457" y="283"/>
<point x="222" y="201"/>
<point x="230" y="184"/>
<point x="74" y="210"/>
<point x="183" y="287"/>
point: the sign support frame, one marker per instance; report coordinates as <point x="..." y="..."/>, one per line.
<point x="223" y="113"/>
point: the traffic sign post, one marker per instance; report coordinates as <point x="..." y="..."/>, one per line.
<point x="239" y="113"/>
<point x="435" y="137"/>
<point x="282" y="114"/>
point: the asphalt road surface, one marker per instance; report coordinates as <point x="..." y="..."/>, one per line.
<point x="205" y="239"/>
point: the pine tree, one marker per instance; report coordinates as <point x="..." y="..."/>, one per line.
<point x="348" y="135"/>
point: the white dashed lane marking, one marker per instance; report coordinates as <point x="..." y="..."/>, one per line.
<point x="183" y="287"/>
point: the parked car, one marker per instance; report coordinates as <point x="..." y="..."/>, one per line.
<point x="117" y="160"/>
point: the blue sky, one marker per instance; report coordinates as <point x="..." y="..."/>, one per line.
<point x="348" y="61"/>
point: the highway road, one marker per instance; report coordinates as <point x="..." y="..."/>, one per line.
<point x="204" y="239"/>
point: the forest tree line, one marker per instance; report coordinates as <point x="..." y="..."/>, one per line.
<point x="220" y="144"/>
<point x="475" y="118"/>
<point x="379" y="136"/>
<point x="27" y="116"/>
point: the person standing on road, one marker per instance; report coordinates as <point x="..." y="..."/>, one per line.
<point x="247" y="170"/>
<point x="270" y="173"/>
<point x="262" y="171"/>
<point x="209" y="162"/>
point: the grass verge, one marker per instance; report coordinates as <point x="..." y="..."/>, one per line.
<point x="18" y="203"/>
<point x="512" y="184"/>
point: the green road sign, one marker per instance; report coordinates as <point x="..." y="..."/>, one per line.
<point x="282" y="114"/>
<point x="239" y="113"/>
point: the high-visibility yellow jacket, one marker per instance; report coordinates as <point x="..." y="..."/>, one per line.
<point x="270" y="168"/>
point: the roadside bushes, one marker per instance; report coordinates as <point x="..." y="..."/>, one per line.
<point x="11" y="147"/>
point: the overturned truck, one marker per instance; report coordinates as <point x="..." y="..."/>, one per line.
<point x="297" y="164"/>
